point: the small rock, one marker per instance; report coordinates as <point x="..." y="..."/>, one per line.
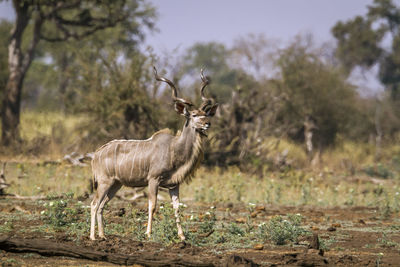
<point x="258" y="247"/>
<point x="254" y="214"/>
<point x="241" y="220"/>
<point x="260" y="208"/>
<point x="314" y="243"/>
<point x="331" y="229"/>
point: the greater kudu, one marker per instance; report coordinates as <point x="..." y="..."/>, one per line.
<point x="162" y="160"/>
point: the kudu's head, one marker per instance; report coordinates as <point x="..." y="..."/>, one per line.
<point x="199" y="118"/>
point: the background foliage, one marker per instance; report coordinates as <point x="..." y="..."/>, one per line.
<point x="267" y="93"/>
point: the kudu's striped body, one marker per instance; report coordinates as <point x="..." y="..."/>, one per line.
<point x="163" y="160"/>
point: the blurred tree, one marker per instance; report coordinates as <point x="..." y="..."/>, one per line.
<point x="255" y="54"/>
<point x="242" y="118"/>
<point x="318" y="100"/>
<point x="59" y="21"/>
<point x="117" y="95"/>
<point x="363" y="41"/>
<point x="5" y="29"/>
<point x="212" y="56"/>
<point x="374" y="40"/>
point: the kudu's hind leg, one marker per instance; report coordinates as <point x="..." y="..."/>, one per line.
<point x="101" y="193"/>
<point x="174" y="193"/>
<point x="112" y="190"/>
<point x="153" y="190"/>
<point x="94" y="206"/>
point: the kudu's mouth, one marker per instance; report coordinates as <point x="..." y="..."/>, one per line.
<point x="203" y="130"/>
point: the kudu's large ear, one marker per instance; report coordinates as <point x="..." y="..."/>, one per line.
<point x="212" y="110"/>
<point x="180" y="108"/>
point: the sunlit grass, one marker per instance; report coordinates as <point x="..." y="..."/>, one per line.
<point x="35" y="124"/>
<point x="294" y="187"/>
<point x="37" y="179"/>
<point x="348" y="175"/>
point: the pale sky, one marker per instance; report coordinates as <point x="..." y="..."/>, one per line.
<point x="182" y="23"/>
<point x="185" y="22"/>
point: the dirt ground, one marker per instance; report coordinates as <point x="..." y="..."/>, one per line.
<point x="353" y="236"/>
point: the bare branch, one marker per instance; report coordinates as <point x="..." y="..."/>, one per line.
<point x="28" y="57"/>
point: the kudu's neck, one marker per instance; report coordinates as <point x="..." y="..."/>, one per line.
<point x="189" y="142"/>
<point x="187" y="154"/>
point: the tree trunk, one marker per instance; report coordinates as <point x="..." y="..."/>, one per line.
<point x="11" y="109"/>
<point x="309" y="127"/>
<point x="18" y="64"/>
<point x="379" y="132"/>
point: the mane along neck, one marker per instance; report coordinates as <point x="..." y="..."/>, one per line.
<point x="190" y="144"/>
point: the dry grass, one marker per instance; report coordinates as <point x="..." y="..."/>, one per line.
<point x="36" y="124"/>
<point x="30" y="178"/>
<point x="348" y="175"/>
<point x="292" y="188"/>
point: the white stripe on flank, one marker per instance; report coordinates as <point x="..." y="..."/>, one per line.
<point x="140" y="162"/>
<point x="115" y="160"/>
<point x="138" y="140"/>
<point x="105" y="161"/>
<point x="133" y="160"/>
<point x="122" y="160"/>
<point x="99" y="158"/>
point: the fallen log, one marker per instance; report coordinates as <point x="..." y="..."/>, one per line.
<point x="41" y="197"/>
<point x="50" y="248"/>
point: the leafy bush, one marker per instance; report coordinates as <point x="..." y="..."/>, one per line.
<point x="136" y="224"/>
<point x="280" y="230"/>
<point x="379" y="170"/>
<point x="61" y="212"/>
<point x="236" y="230"/>
<point x="208" y="223"/>
<point x="165" y="230"/>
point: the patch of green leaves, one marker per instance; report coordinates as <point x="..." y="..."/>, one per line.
<point x="62" y="212"/>
<point x="135" y="223"/>
<point x="281" y="230"/>
<point x="380" y="171"/>
<point x="164" y="227"/>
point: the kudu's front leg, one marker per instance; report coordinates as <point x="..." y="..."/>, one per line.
<point x="153" y="190"/>
<point x="174" y="193"/>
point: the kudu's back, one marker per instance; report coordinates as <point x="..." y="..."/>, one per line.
<point x="130" y="161"/>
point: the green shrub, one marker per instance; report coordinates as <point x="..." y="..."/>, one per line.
<point x="379" y="170"/>
<point x="135" y="224"/>
<point x="280" y="230"/>
<point x="62" y="212"/>
<point x="236" y="230"/>
<point x="165" y="230"/>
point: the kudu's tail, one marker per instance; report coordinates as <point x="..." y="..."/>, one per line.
<point x="94" y="184"/>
